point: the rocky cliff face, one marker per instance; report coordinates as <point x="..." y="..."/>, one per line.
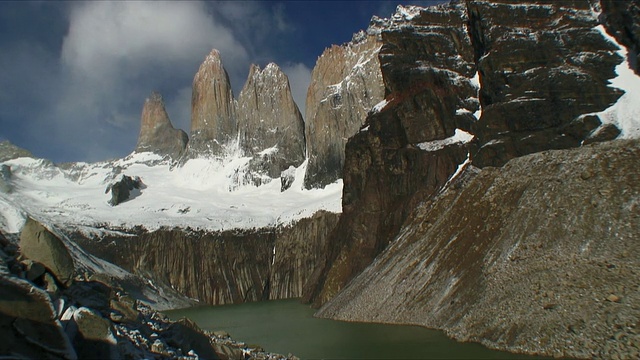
<point x="270" y="125"/>
<point x="474" y="81"/>
<point x="539" y="256"/>
<point x="621" y="19"/>
<point x="545" y="62"/>
<point x="157" y="134"/>
<point x="213" y="108"/>
<point x="345" y="84"/>
<point x="223" y="267"/>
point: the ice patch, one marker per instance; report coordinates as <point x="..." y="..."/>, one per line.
<point x="625" y="113"/>
<point x="460" y="136"/>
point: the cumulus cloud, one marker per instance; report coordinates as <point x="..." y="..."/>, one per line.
<point x="127" y="36"/>
<point x="299" y="78"/>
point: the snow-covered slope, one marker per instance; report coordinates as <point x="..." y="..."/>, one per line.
<point x="207" y="194"/>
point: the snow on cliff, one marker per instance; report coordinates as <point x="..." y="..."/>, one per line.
<point x="195" y="195"/>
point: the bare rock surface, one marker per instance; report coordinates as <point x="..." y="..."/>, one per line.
<point x="157" y="134"/>
<point x="213" y="108"/>
<point x="540" y="257"/>
<point x="346" y="83"/>
<point x="269" y="122"/>
<point x="39" y="244"/>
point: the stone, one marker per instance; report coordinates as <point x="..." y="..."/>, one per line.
<point x="28" y="325"/>
<point x="606" y="132"/>
<point x="125" y="189"/>
<point x="287" y="178"/>
<point x="614" y="298"/>
<point x="185" y="334"/>
<point x="157" y="134"/>
<point x="269" y="122"/>
<point x="33" y="269"/>
<point x="213" y="110"/>
<point x="49" y="285"/>
<point x="39" y="244"/>
<point x="346" y="83"/>
<point x="127" y="306"/>
<point x="94" y="337"/>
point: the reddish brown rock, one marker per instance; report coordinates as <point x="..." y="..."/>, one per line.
<point x="213" y="116"/>
<point x="345" y="84"/>
<point x="157" y="134"/>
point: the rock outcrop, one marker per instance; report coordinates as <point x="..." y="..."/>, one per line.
<point x="125" y="189"/>
<point x="385" y="162"/>
<point x="466" y="81"/>
<point x="621" y="20"/>
<point x="10" y="151"/>
<point x="157" y="134"/>
<point x="213" y="109"/>
<point x="224" y="267"/>
<point x="346" y="83"/>
<point x="539" y="256"/>
<point x="270" y="125"/>
<point x="533" y="57"/>
<point x="41" y="245"/>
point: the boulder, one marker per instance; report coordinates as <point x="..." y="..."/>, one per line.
<point x="28" y="325"/>
<point x="94" y="338"/>
<point x="37" y="243"/>
<point x="185" y="334"/>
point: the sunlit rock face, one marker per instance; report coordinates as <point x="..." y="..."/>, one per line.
<point x="157" y="134"/>
<point x="481" y="82"/>
<point x="543" y="65"/>
<point x="213" y="109"/>
<point x="270" y="125"/>
<point x="533" y="257"/>
<point x="346" y="83"/>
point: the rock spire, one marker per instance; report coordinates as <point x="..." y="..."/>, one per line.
<point x="157" y="134"/>
<point x="213" y="115"/>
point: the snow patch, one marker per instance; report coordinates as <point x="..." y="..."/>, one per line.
<point x="460" y="136"/>
<point x="625" y="113"/>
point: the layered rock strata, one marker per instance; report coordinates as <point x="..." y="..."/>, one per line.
<point x="452" y="75"/>
<point x="270" y="125"/>
<point x="157" y="134"/>
<point x="385" y="162"/>
<point x="542" y="65"/>
<point x="539" y="256"/>
<point x="224" y="267"/>
<point x="345" y="84"/>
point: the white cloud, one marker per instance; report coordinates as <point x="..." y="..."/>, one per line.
<point x="106" y="37"/>
<point x="299" y="79"/>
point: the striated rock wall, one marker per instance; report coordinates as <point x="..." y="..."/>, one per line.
<point x="213" y="108"/>
<point x="477" y="81"/>
<point x="539" y="256"/>
<point x="345" y="84"/>
<point x="225" y="267"/>
<point x="157" y="134"/>
<point x="269" y="122"/>
<point x="542" y="65"/>
<point x="386" y="162"/>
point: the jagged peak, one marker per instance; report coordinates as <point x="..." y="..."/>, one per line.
<point x="155" y="97"/>
<point x="214" y="56"/>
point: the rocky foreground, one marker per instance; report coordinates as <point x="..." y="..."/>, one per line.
<point x="49" y="310"/>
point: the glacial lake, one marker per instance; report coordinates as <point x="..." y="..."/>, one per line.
<point x="286" y="326"/>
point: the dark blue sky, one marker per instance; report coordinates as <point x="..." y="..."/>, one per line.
<point x="74" y="75"/>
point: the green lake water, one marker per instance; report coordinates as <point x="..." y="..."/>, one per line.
<point x="286" y="326"/>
